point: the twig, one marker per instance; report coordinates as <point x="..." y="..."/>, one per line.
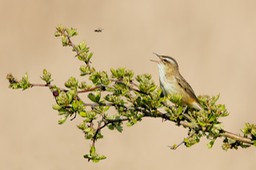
<point x="90" y="89"/>
<point x="174" y="147"/>
<point x="236" y="137"/>
<point x="130" y="87"/>
<point x="225" y="133"/>
<point x="106" y="122"/>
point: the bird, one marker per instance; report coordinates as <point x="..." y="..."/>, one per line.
<point x="173" y="83"/>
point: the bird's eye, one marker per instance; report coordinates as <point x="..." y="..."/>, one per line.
<point x="164" y="60"/>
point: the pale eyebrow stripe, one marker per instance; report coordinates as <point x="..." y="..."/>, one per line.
<point x="170" y="60"/>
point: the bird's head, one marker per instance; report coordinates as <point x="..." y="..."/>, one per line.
<point x="166" y="63"/>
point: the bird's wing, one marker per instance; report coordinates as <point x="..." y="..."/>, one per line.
<point x="184" y="85"/>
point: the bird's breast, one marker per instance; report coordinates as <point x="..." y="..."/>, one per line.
<point x="168" y="82"/>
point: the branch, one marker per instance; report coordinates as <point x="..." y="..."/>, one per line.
<point x="225" y="133"/>
<point x="106" y="123"/>
<point x="237" y="137"/>
<point x="132" y="99"/>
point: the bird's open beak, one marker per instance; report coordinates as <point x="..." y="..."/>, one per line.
<point x="157" y="55"/>
<point x="156" y="60"/>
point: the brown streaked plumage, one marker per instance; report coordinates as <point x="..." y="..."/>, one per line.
<point x="172" y="82"/>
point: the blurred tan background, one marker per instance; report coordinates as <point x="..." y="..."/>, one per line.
<point x="213" y="41"/>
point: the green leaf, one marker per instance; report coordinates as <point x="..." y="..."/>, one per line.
<point x="59" y="31"/>
<point x="99" y="78"/>
<point x="82" y="47"/>
<point x="24" y="83"/>
<point x="56" y="107"/>
<point x="191" y="140"/>
<point x="90" y="116"/>
<point x="72" y="82"/>
<point x="94" y="156"/>
<point x="131" y="122"/>
<point x="85" y="70"/>
<point x="46" y="77"/>
<point x="106" y="108"/>
<point x="14" y="83"/>
<point x="62" y="99"/>
<point x="93" y="150"/>
<point x="72" y="32"/>
<point x="176" y="98"/>
<point x="83" y="85"/>
<point x="62" y="120"/>
<point x="78" y="106"/>
<point x="82" y="114"/>
<point x="111" y="127"/>
<point x="89" y="56"/>
<point x="114" y="72"/>
<point x="214" y="99"/>
<point x="64" y="41"/>
<point x="94" y="97"/>
<point x="211" y="143"/>
<point x="71" y="94"/>
<point x="122" y="73"/>
<point x="119" y="128"/>
<point x="89" y="132"/>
